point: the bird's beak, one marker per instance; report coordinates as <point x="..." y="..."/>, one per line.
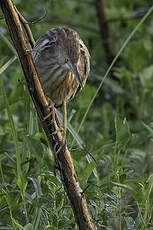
<point x="76" y="73"/>
<point x="74" y="70"/>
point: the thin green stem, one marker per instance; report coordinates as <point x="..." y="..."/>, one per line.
<point x="113" y="62"/>
<point x="13" y="129"/>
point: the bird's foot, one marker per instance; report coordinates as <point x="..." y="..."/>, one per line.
<point x="58" y="130"/>
<point x="63" y="145"/>
<point x="58" y="148"/>
<point x="52" y="112"/>
<point x="47" y="116"/>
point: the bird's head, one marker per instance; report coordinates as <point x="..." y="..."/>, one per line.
<point x="64" y="46"/>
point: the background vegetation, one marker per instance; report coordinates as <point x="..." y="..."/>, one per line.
<point x="117" y="130"/>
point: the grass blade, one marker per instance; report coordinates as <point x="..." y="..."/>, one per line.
<point x="113" y="62"/>
<point x="7" y="64"/>
<point x="13" y="128"/>
<point x="8" y="43"/>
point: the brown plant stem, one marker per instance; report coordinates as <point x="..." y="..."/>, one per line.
<point x="26" y="27"/>
<point x="63" y="158"/>
<point x="104" y="31"/>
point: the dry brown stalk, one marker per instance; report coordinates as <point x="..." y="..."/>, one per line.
<point x="63" y="158"/>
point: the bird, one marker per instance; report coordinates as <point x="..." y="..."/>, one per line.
<point x="62" y="62"/>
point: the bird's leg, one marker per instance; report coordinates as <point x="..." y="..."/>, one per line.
<point x="64" y="117"/>
<point x="64" y="120"/>
<point x="53" y="120"/>
<point x="53" y="109"/>
<point x="63" y="144"/>
<point x="51" y="105"/>
<point x="59" y="129"/>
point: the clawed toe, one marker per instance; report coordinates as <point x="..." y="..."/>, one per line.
<point x="58" y="130"/>
<point x="63" y="145"/>
<point x="47" y="116"/>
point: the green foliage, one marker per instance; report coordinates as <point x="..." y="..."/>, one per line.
<point x="110" y="125"/>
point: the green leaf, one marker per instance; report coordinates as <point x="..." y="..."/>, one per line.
<point x="28" y="227"/>
<point x="37" y="186"/>
<point x="122" y="131"/>
<point x="115" y="87"/>
<point x="150" y="129"/>
<point x="5" y="228"/>
<point x="35" y="148"/>
<point x="87" y="171"/>
<point x="22" y="183"/>
<point x="146" y="77"/>
<point x="124" y="186"/>
<point x="37" y="216"/>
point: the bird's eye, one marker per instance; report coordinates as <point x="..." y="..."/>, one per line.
<point x="49" y="43"/>
<point x="52" y="43"/>
<point x="66" y="60"/>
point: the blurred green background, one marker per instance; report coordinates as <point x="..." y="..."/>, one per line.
<point x="117" y="130"/>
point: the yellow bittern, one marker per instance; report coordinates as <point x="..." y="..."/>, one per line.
<point x="62" y="62"/>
